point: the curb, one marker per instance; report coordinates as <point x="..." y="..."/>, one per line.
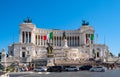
<point x="29" y="72"/>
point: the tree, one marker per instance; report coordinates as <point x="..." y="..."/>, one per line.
<point x="111" y="54"/>
<point x="119" y="55"/>
<point x="0" y="55"/>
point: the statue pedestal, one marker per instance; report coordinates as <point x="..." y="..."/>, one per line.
<point x="65" y="43"/>
<point x="50" y="62"/>
<point x="50" y="55"/>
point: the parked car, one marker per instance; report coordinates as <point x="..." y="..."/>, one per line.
<point x="63" y="69"/>
<point x="1" y="67"/>
<point x="54" y="69"/>
<point x="71" y="68"/>
<point x="40" y="69"/>
<point x="86" y="67"/>
<point x="97" y="69"/>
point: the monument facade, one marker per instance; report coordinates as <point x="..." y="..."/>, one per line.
<point x="75" y="45"/>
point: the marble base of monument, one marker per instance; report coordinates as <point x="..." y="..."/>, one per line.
<point x="50" y="62"/>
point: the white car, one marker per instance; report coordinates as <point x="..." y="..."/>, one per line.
<point x="40" y="69"/>
<point x="97" y="69"/>
<point x="71" y="68"/>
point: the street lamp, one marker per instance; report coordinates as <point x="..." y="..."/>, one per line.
<point x="4" y="58"/>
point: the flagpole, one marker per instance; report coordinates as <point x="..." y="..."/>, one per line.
<point x="90" y="49"/>
<point x="90" y="45"/>
<point x="104" y="40"/>
<point x="104" y="58"/>
<point x="96" y="38"/>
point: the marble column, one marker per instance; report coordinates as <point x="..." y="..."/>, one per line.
<point x="40" y="40"/>
<point x="68" y="40"/>
<point x="79" y="40"/>
<point x="56" y="41"/>
<point x="33" y="38"/>
<point x="25" y="37"/>
<point x="53" y="41"/>
<point x="20" y="37"/>
<point x="28" y="37"/>
<point x="61" y="40"/>
<point x="73" y="40"/>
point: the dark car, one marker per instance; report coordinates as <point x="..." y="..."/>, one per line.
<point x="64" y="68"/>
<point x="1" y="67"/>
<point x="54" y="69"/>
<point x="86" y="67"/>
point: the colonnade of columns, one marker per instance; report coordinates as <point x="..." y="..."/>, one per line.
<point x="72" y="40"/>
<point x="57" y="40"/>
<point x="26" y="37"/>
<point x="39" y="40"/>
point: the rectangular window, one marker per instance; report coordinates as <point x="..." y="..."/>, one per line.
<point x="23" y="54"/>
<point x="24" y="48"/>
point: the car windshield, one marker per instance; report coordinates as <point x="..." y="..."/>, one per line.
<point x="72" y="67"/>
<point x="39" y="68"/>
<point x="98" y="67"/>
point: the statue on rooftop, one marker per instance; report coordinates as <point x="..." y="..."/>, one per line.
<point x="84" y="23"/>
<point x="28" y="20"/>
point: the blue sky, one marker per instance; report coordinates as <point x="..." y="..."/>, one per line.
<point x="103" y="15"/>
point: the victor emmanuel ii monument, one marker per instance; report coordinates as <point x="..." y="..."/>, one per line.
<point x="39" y="46"/>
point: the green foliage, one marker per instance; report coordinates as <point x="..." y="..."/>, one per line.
<point x="111" y="54"/>
<point x="3" y="68"/>
<point x="10" y="68"/>
<point x="119" y="55"/>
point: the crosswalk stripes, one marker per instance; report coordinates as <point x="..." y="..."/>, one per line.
<point x="43" y="72"/>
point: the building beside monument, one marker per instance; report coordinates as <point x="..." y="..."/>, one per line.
<point x="68" y="45"/>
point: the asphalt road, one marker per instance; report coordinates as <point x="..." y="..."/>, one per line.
<point x="108" y="73"/>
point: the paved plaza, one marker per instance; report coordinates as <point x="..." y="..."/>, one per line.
<point x="108" y="73"/>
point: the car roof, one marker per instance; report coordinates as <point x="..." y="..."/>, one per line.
<point x="98" y="67"/>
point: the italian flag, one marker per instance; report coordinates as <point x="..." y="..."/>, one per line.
<point x="92" y="37"/>
<point x="48" y="36"/>
<point x="89" y="38"/>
